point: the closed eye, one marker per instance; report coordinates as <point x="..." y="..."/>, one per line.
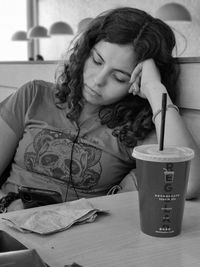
<point x="120" y="79"/>
<point x="118" y="75"/>
<point x="97" y="60"/>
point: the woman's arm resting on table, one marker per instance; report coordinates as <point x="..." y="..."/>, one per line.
<point x="128" y="183"/>
<point x="8" y="144"/>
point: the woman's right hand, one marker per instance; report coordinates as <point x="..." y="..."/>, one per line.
<point x="144" y="77"/>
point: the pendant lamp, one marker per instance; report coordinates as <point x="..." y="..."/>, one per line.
<point x="173" y="12"/>
<point x="19" y="36"/>
<point x="60" y="28"/>
<point x="37" y="32"/>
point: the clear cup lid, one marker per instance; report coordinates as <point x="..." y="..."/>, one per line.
<point x="168" y="154"/>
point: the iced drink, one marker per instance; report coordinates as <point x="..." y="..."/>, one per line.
<point x="162" y="178"/>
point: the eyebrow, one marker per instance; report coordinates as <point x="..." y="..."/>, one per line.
<point x="119" y="70"/>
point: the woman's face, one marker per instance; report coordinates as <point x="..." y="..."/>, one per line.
<point x="107" y="72"/>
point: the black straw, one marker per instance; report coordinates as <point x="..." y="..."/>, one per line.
<point x="163" y="114"/>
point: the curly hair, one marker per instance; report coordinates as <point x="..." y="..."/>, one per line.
<point x="131" y="117"/>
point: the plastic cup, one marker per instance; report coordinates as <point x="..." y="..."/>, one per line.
<point x="162" y="178"/>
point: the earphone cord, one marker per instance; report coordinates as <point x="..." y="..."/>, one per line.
<point x="70" y="169"/>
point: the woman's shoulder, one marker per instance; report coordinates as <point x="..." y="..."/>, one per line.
<point x="36" y="88"/>
<point x="40" y="86"/>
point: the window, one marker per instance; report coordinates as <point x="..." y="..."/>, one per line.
<point x="12" y="19"/>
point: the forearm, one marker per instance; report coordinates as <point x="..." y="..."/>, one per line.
<point x="8" y="143"/>
<point x="176" y="133"/>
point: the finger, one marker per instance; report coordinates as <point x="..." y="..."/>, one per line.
<point x="138" y="79"/>
<point x="134" y="89"/>
<point x="136" y="72"/>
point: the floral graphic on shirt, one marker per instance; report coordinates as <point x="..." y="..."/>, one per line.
<point x="52" y="152"/>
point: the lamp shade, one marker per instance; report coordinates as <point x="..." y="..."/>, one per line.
<point x="173" y="11"/>
<point x="19" y="36"/>
<point x="37" y="32"/>
<point x="82" y="25"/>
<point x="60" y="28"/>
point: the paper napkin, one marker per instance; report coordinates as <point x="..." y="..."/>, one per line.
<point x="56" y="218"/>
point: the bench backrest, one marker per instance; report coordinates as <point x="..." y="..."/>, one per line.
<point x="188" y="98"/>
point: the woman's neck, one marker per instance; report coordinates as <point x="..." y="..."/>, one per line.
<point x="88" y="111"/>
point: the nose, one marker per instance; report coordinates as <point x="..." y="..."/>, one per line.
<point x="100" y="78"/>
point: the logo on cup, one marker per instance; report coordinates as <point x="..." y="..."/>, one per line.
<point x="169" y="175"/>
<point x="166" y="216"/>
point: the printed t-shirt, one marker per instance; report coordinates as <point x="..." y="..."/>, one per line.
<point x="54" y="153"/>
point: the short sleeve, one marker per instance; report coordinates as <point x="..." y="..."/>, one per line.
<point x="13" y="109"/>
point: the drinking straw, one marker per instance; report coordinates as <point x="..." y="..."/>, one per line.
<point x="163" y="114"/>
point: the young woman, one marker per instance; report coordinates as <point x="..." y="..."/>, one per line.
<point x="75" y="138"/>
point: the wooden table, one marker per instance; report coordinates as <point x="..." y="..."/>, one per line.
<point x="116" y="240"/>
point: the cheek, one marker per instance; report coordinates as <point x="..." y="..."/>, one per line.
<point x="123" y="93"/>
<point x="121" y="90"/>
<point x="116" y="93"/>
<point x="87" y="71"/>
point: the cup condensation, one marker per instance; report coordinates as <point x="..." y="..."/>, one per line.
<point x="162" y="178"/>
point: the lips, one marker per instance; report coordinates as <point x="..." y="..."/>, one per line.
<point x="91" y="91"/>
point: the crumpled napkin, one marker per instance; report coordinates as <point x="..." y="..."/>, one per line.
<point x="53" y="219"/>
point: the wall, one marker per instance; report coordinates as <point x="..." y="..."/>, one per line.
<point x="72" y="11"/>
